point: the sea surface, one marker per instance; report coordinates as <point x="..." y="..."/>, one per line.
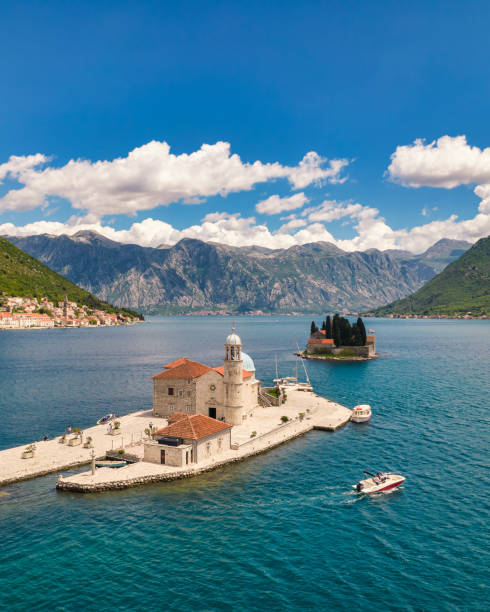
<point x="281" y="531"/>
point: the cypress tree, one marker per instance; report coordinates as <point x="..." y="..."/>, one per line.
<point x="356" y="335"/>
<point x="362" y="331"/>
<point x="336" y="330"/>
<point x="328" y="327"/>
<point x="323" y="326"/>
<point x="313" y="328"/>
<point x="345" y="332"/>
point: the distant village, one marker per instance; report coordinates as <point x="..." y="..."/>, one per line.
<point x="22" y="313"/>
<point x="467" y="315"/>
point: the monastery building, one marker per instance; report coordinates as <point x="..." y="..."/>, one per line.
<point x="229" y="393"/>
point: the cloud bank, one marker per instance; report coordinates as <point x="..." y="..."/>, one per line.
<point x="151" y="176"/>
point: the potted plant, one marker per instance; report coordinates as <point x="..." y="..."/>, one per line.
<point x="63" y="438"/>
<point x="116" y="428"/>
<point x="253" y="434"/>
<point x="284" y="419"/>
<point x="88" y="442"/>
<point x="77" y="437"/>
<point x="28" y="452"/>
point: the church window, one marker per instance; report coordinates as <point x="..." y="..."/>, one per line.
<point x="188" y="393"/>
<point x="212" y="387"/>
<point x="232" y="350"/>
<point x="188" y="408"/>
<point x="171" y="407"/>
<point x="170" y="390"/>
<point x="181" y="393"/>
<point x="208" y="448"/>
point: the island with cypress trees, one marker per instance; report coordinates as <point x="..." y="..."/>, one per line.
<point x="339" y="339"/>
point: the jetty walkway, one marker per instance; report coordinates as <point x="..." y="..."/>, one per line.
<point x="266" y="426"/>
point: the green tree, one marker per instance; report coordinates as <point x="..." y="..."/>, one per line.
<point x="362" y="331"/>
<point x="336" y="330"/>
<point x="323" y="326"/>
<point x="356" y="335"/>
<point x="313" y="328"/>
<point x="345" y="332"/>
<point x="328" y="327"/>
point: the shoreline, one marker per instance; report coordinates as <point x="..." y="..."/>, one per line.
<point x="51" y="456"/>
<point x="44" y="328"/>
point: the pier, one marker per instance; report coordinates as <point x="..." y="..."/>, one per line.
<point x="305" y="411"/>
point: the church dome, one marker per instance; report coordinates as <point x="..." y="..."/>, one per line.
<point x="248" y="362"/>
<point x="233" y="338"/>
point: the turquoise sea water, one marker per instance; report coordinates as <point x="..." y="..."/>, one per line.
<point x="279" y="531"/>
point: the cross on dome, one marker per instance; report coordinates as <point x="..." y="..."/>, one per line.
<point x="233" y="338"/>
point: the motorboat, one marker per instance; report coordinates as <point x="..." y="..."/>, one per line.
<point x="376" y="483"/>
<point x="106" y="419"/>
<point x="361" y="413"/>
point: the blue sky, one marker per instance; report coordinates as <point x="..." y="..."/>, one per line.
<point x="357" y="82"/>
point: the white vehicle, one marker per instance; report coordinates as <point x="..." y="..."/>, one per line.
<point x="379" y="482"/>
<point x="361" y="413"/>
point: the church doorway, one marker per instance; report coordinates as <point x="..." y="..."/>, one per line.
<point x="212" y="413"/>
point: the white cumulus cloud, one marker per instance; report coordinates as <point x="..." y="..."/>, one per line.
<point x="446" y="162"/>
<point x="275" y="204"/>
<point x="150" y="176"/>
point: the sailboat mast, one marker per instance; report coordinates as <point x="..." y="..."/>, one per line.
<point x="303" y="363"/>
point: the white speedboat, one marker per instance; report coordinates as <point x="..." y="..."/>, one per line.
<point x="361" y="413"/>
<point x="379" y="482"/>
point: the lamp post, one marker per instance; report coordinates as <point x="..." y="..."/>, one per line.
<point x="93" y="461"/>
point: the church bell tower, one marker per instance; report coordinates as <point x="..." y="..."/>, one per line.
<point x="233" y="379"/>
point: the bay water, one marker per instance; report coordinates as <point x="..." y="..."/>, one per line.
<point x="281" y="531"/>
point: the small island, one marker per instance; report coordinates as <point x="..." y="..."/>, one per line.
<point x="339" y="340"/>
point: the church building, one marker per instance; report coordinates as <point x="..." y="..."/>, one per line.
<point x="228" y="393"/>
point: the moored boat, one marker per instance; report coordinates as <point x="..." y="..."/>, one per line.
<point x="110" y="464"/>
<point x="361" y="413"/>
<point x="379" y="482"/>
<point x="106" y="419"/>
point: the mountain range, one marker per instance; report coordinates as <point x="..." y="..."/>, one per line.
<point x="462" y="287"/>
<point x="195" y="276"/>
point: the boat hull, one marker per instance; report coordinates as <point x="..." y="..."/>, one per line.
<point x="360" y="419"/>
<point x="369" y="486"/>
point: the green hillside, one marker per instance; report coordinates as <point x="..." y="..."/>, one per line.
<point x="464" y="286"/>
<point x="23" y="276"/>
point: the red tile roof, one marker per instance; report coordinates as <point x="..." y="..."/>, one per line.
<point x="320" y="341"/>
<point x="176" y="416"/>
<point x="221" y="370"/>
<point x="194" y="427"/>
<point x="177" y="362"/>
<point x="186" y="369"/>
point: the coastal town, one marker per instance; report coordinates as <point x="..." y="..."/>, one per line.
<point x="202" y="418"/>
<point x="24" y="313"/>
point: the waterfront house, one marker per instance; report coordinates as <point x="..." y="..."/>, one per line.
<point x="188" y="439"/>
<point x="319" y="344"/>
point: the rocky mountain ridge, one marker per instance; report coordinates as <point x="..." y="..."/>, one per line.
<point x="193" y="275"/>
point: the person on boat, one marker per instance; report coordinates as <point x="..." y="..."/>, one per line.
<point x="376" y="479"/>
